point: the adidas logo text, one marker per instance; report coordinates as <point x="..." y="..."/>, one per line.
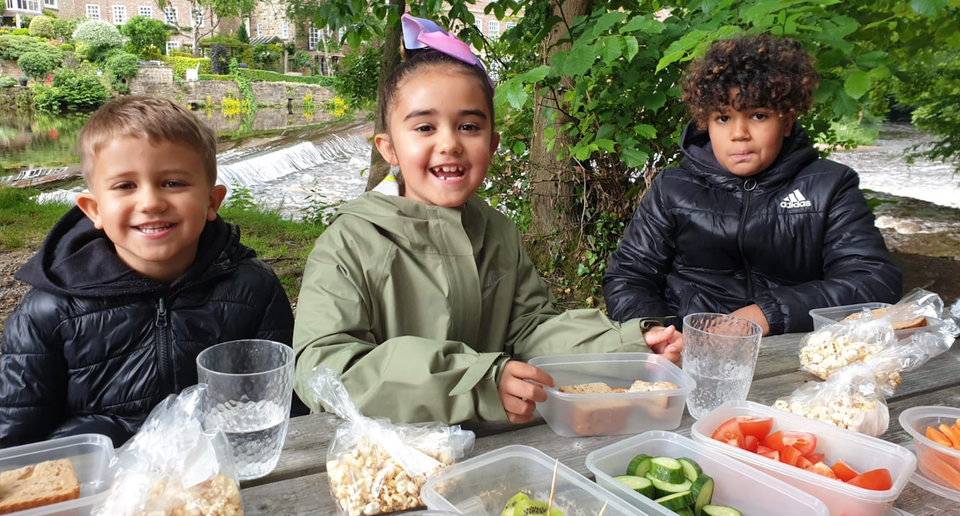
<point x="795" y="200"/>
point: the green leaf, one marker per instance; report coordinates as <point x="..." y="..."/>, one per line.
<point x="582" y="270"/>
<point x="516" y="94"/>
<point x="634" y="158"/>
<point x="669" y="59"/>
<point x="606" y="145"/>
<point x="655" y="100"/>
<point x="605" y="22"/>
<point x="857" y="84"/>
<point x="871" y="59"/>
<point x="643" y="24"/>
<point x="611" y="49"/>
<point x="353" y="39"/>
<point x="579" y="61"/>
<point x="631" y="47"/>
<point x="519" y="148"/>
<point x="644" y="130"/>
<point x="928" y="7"/>
<point x="845" y="105"/>
<point x="879" y="73"/>
<point x="606" y="131"/>
<point x="535" y="75"/>
<point x="582" y="153"/>
<point x="757" y="12"/>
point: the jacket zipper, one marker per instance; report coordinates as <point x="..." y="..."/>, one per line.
<point x="164" y="343"/>
<point x="748" y="187"/>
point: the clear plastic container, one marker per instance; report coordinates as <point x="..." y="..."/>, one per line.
<point x="482" y="485"/>
<point x="572" y="415"/>
<point x="861" y="452"/>
<point x="90" y="455"/>
<point x="735" y="485"/>
<point x="937" y="463"/>
<point x="825" y="316"/>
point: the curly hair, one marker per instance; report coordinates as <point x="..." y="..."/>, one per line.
<point x="774" y="73"/>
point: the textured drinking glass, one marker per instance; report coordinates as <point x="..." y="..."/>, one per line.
<point x="720" y="353"/>
<point x="249" y="391"/>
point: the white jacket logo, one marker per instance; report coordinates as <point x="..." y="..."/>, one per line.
<point x="795" y="200"/>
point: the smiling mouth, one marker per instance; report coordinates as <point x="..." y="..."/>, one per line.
<point x="447" y="172"/>
<point x="153" y="228"/>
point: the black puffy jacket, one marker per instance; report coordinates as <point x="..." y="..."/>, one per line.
<point x="94" y="346"/>
<point x="797" y="236"/>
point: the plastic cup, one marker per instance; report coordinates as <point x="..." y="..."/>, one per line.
<point x="720" y="354"/>
<point x="248" y="396"/>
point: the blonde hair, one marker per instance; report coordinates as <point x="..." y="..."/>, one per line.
<point x="153" y="118"/>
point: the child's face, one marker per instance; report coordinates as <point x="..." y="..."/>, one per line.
<point x="153" y="201"/>
<point x="440" y="135"/>
<point x="747" y="142"/>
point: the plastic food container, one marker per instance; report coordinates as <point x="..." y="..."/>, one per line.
<point x="572" y="415"/>
<point x="736" y="485"/>
<point x="935" y="461"/>
<point x="862" y="452"/>
<point x="825" y="316"/>
<point x="482" y="485"/>
<point x="90" y="454"/>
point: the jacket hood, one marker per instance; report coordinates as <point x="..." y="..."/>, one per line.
<point x="76" y="259"/>
<point x="404" y="217"/>
<point x="700" y="160"/>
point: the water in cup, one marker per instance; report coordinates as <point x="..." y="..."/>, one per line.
<point x="720" y="354"/>
<point x="255" y="431"/>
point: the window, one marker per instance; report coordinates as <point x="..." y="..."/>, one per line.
<point x="259" y="30"/>
<point x="171" y="16"/>
<point x="478" y="23"/>
<point x="493" y="29"/>
<point x="145" y="11"/>
<point x="24" y="5"/>
<point x="172" y="45"/>
<point x="50" y="3"/>
<point x="119" y="14"/>
<point x="199" y="17"/>
<point x="285" y="30"/>
<point x="93" y="12"/>
<point x="511" y="25"/>
<point x="313" y="37"/>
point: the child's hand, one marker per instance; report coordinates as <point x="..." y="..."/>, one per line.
<point x="517" y="394"/>
<point x="665" y="341"/>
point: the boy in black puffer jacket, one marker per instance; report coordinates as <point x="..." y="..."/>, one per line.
<point x="752" y="222"/>
<point x="133" y="283"/>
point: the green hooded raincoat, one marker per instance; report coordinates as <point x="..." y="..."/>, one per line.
<point x="418" y="307"/>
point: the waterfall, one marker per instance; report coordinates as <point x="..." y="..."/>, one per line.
<point x="256" y="167"/>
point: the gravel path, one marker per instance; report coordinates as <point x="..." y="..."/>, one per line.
<point x="11" y="290"/>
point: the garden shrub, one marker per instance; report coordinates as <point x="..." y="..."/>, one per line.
<point x="143" y="33"/>
<point x="300" y="59"/>
<point x="67" y="47"/>
<point x="70" y="91"/>
<point x="151" y="53"/>
<point x="219" y="56"/>
<point x="242" y="35"/>
<point x="357" y="79"/>
<point x="7" y="82"/>
<point x="20" y="32"/>
<point x="45" y="98"/>
<point x="63" y="28"/>
<point x="265" y="75"/>
<point x="12" y="47"/>
<point x="36" y="64"/>
<point x="42" y="27"/>
<point x="98" y="34"/>
<point x="180" y="64"/>
<point x="122" y="67"/>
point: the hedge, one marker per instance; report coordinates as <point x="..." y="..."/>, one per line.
<point x="210" y="77"/>
<point x="264" y="75"/>
<point x="180" y="64"/>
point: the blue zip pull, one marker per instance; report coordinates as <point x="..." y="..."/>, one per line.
<point x="161" y="314"/>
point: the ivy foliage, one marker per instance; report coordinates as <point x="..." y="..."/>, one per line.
<point x="356" y="80"/>
<point x="219" y="59"/>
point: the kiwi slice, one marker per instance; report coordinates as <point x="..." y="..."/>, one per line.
<point x="534" y="508"/>
<point x="510" y="508"/>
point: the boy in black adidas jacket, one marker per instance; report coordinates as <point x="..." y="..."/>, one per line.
<point x="752" y="222"/>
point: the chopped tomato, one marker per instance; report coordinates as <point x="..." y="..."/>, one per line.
<point x="789" y="455"/>
<point x="729" y="432"/>
<point x="816" y="457"/>
<point x="750" y="443"/>
<point x="774" y="441"/>
<point x="768" y="452"/>
<point x="843" y="471"/>
<point x="802" y="462"/>
<point x="758" y="427"/>
<point x="804" y="442"/>
<point x="822" y="470"/>
<point x="877" y="480"/>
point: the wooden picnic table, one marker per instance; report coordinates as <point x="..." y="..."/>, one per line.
<point x="298" y="485"/>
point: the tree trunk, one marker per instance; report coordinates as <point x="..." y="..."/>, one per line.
<point x="379" y="168"/>
<point x="552" y="180"/>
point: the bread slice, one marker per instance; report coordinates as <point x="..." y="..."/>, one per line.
<point x="42" y="484"/>
<point x="586" y="388"/>
<point x="915" y="322"/>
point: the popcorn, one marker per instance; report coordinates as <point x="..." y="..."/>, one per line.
<point x="851" y="410"/>
<point x="824" y="352"/>
<point x="368" y="481"/>
<point x="219" y="496"/>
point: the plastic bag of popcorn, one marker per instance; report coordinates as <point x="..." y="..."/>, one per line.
<point x="375" y="466"/>
<point x="862" y="335"/>
<point x="854" y="397"/>
<point x="173" y="467"/>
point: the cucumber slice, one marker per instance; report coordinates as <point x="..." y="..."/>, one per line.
<point x="685" y="512"/>
<point x="676" y="501"/>
<point x="639" y="466"/>
<point x="667" y="487"/>
<point x="691" y="469"/>
<point x="702" y="491"/>
<point x="638" y="484"/>
<point x="667" y="469"/>
<point x="720" y="510"/>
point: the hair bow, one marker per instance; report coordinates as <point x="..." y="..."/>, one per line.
<point x="421" y="33"/>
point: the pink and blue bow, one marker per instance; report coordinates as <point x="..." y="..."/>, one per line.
<point x="421" y="33"/>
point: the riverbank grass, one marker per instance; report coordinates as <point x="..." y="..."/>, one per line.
<point x="278" y="240"/>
